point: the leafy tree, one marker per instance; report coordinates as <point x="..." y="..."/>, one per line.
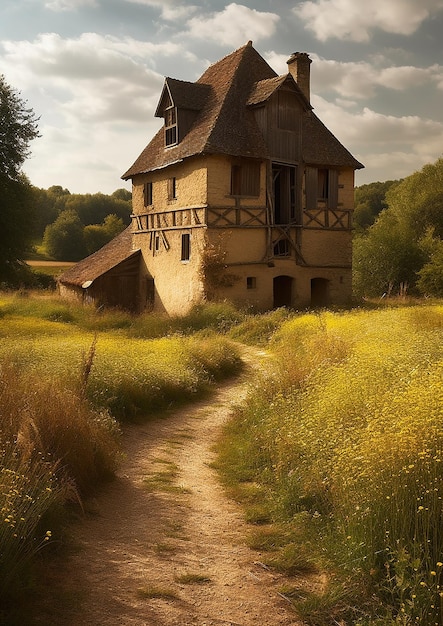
<point x="97" y="235"/>
<point x="370" y="201"/>
<point x="18" y="127"/>
<point x="93" y="208"/>
<point x="64" y="239"/>
<point x="403" y="245"/>
<point x="122" y="194"/>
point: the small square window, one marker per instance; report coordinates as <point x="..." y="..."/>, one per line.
<point x="251" y="282"/>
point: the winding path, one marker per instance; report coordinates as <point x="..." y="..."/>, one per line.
<point x="162" y="545"/>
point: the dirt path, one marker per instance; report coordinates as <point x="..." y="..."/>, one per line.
<point x="161" y="524"/>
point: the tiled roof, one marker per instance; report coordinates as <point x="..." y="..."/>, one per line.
<point x="117" y="250"/>
<point x="226" y="124"/>
<point x="186" y="95"/>
<point x="263" y="89"/>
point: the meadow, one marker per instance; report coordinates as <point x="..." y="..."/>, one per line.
<point x="70" y="376"/>
<point x="337" y="458"/>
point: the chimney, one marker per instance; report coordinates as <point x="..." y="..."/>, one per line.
<point x="299" y="66"/>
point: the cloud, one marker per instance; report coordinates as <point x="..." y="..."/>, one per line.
<point x="234" y="26"/>
<point x="68" y="5"/>
<point x="398" y="145"/>
<point x="170" y="9"/>
<point x="359" y="79"/>
<point x="346" y="19"/>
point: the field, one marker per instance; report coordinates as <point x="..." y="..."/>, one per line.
<point x="338" y="459"/>
<point x="69" y="376"/>
<point x="336" y="456"/>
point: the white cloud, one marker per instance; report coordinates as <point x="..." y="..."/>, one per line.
<point x="95" y="101"/>
<point x="234" y="26"/>
<point x="347" y="18"/>
<point x="359" y="80"/>
<point x="170" y="9"/>
<point x="68" y="5"/>
<point x="398" y="145"/>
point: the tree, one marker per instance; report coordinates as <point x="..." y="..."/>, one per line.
<point x="370" y="201"/>
<point x="18" y="127"/>
<point x="405" y="238"/>
<point x="64" y="239"/>
<point x="97" y="235"/>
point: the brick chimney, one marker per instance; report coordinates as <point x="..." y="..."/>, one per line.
<point x="299" y="66"/>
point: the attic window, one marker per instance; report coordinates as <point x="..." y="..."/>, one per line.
<point x="170" y="126"/>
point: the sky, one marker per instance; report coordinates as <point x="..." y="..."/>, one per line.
<point x="93" y="71"/>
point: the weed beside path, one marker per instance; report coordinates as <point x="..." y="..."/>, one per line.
<point x="162" y="545"/>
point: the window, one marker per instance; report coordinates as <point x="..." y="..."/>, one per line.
<point x="251" y="282"/>
<point x="170" y="126"/>
<point x="282" y="248"/>
<point x="323" y="184"/>
<point x="245" y="178"/>
<point x="186" y="247"/>
<point x="147" y="193"/>
<point x="172" y="188"/>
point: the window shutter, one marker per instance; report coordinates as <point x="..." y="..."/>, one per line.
<point x="333" y="189"/>
<point x="311" y="181"/>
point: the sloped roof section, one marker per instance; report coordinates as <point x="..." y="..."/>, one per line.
<point x="113" y="253"/>
<point x="184" y="95"/>
<point x="224" y="97"/>
<point x="224" y="124"/>
<point x="263" y="90"/>
<point x="321" y="147"/>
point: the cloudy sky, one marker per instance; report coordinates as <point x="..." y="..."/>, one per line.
<point x="93" y="70"/>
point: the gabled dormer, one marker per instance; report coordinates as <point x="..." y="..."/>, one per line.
<point x="180" y="104"/>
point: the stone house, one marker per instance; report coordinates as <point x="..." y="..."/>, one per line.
<point x="243" y="195"/>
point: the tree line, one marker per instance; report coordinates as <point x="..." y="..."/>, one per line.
<point x="73" y="226"/>
<point x="70" y="225"/>
<point x="398" y="242"/>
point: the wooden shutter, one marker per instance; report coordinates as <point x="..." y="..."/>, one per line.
<point x="333" y="189"/>
<point x="311" y="181"/>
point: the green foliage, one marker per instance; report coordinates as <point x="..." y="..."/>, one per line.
<point x="18" y="127"/>
<point x="97" y="235"/>
<point x="370" y="200"/>
<point x="391" y="253"/>
<point x="348" y="435"/>
<point x="64" y="239"/>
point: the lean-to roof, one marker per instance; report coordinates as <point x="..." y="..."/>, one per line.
<point x="113" y="253"/>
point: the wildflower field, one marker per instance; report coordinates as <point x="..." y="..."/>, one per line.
<point x="69" y="376"/>
<point x="338" y="457"/>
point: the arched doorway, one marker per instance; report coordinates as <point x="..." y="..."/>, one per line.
<point x="282" y="291"/>
<point x="319" y="292"/>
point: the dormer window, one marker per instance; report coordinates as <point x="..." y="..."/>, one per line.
<point x="170" y="126"/>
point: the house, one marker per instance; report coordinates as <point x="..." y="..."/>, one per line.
<point x="243" y="194"/>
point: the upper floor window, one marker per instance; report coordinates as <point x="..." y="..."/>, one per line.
<point x="147" y="193"/>
<point x="321" y="185"/>
<point x="245" y="178"/>
<point x="170" y="126"/>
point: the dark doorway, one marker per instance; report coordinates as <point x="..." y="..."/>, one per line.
<point x="319" y="292"/>
<point x="282" y="291"/>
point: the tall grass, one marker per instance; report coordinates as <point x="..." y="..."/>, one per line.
<point x="349" y="436"/>
<point x="66" y="373"/>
